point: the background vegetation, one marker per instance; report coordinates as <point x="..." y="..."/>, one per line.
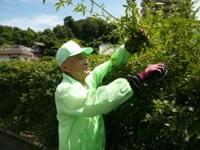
<point x="98" y="30"/>
<point x="165" y="115"/>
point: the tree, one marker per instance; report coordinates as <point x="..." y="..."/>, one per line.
<point x="48" y="38"/>
<point x="63" y="32"/>
<point x="17" y="36"/>
<point x="92" y="30"/>
<point x="24" y="37"/>
<point x="6" y="35"/>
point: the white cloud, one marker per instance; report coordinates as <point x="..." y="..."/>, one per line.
<point x="37" y="23"/>
<point x="25" y="0"/>
<point x="28" y="1"/>
<point x="36" y="1"/>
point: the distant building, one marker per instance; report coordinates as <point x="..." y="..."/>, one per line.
<point x="16" y="52"/>
<point x="106" y="49"/>
<point x="38" y="49"/>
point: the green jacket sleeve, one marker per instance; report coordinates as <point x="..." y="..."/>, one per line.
<point x="119" y="58"/>
<point x="79" y="101"/>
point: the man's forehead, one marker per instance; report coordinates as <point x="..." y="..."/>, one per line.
<point x="76" y="56"/>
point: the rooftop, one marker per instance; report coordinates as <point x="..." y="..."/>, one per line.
<point x="15" y="48"/>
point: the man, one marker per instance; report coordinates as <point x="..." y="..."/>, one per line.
<point x="81" y="100"/>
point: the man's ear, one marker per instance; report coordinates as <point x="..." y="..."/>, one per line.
<point x="66" y="66"/>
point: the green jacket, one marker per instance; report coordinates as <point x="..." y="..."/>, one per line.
<point x="80" y="108"/>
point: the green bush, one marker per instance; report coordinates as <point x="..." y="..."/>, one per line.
<point x="27" y="98"/>
<point x="166" y="114"/>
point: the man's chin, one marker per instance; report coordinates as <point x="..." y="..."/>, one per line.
<point x="87" y="72"/>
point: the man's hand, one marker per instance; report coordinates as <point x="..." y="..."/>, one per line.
<point x="135" y="42"/>
<point x="153" y="70"/>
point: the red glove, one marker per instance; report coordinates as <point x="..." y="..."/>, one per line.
<point x="153" y="70"/>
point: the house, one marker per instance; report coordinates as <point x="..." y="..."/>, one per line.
<point x="16" y="52"/>
<point x="38" y="49"/>
<point x="106" y="49"/>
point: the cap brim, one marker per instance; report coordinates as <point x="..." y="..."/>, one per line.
<point x="88" y="50"/>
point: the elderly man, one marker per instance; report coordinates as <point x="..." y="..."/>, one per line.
<point x="81" y="99"/>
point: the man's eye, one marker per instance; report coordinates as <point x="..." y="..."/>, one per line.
<point x="82" y="57"/>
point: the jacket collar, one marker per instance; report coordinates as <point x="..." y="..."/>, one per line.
<point x="69" y="79"/>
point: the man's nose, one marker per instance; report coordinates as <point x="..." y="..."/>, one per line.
<point x="85" y="61"/>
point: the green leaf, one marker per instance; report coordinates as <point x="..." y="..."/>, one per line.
<point x="80" y="8"/>
<point x="59" y="5"/>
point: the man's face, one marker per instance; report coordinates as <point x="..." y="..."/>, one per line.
<point x="77" y="67"/>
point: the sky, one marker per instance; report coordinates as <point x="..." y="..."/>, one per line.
<point x="35" y="15"/>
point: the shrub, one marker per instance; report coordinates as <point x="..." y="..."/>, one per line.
<point x="27" y="98"/>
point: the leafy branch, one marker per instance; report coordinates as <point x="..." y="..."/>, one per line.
<point x="81" y="7"/>
<point x="127" y="26"/>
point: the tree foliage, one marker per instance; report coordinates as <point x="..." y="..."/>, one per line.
<point x="90" y="31"/>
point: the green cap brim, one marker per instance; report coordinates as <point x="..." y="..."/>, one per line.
<point x="88" y="50"/>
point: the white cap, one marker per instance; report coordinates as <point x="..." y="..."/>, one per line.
<point x="68" y="49"/>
